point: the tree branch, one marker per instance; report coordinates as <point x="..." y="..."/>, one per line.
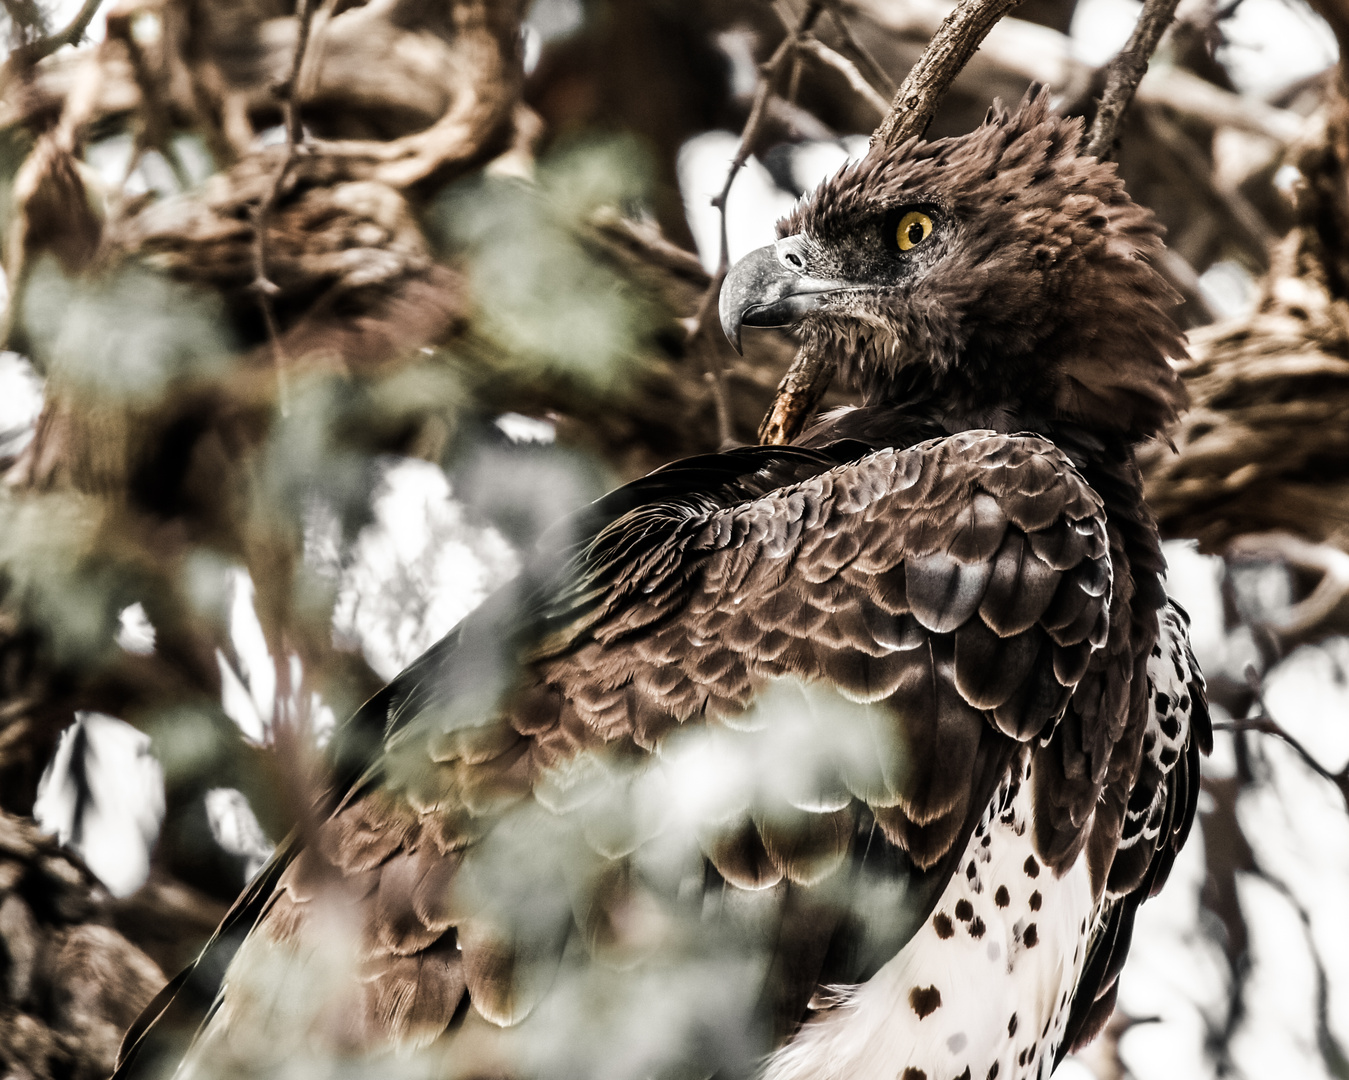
<point x="1264" y="723"/>
<point x="916" y="100"/>
<point x="1125" y="73"/>
<point x="26" y="55"/>
<point x="848" y="70"/>
<point x="263" y="286"/>
<point x="702" y="327"/>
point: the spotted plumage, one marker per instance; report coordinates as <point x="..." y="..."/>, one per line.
<point x="849" y="758"/>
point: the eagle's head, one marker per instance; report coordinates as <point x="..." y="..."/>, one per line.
<point x="1000" y="272"/>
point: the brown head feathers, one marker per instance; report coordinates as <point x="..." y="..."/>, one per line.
<point x="1002" y="273"/>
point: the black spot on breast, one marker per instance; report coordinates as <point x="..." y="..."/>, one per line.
<point x="977" y="928"/>
<point x="993" y="1071"/>
<point x="1168" y="756"/>
<point x="1035" y="900"/>
<point x="1001" y="897"/>
<point x="1031" y="867"/>
<point x="964" y="910"/>
<point x="965" y="1075"/>
<point x="986" y="841"/>
<point x="913" y="1074"/>
<point x="941" y="922"/>
<point x="970" y="871"/>
<point x="1031" y="937"/>
<point x="1023" y="1057"/>
<point x="1162" y="701"/>
<point x="1169" y="724"/>
<point x="1011" y="1026"/>
<point x="925" y="1000"/>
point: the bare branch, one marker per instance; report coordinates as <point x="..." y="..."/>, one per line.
<point x="29" y="53"/>
<point x="797" y="395"/>
<point x="1264" y="723"/>
<point x="916" y="100"/>
<point x="263" y="286"/>
<point x="1124" y="74"/>
<point x="848" y="70"/>
<point x="1193" y="168"/>
<point x="871" y="70"/>
<point x="702" y="327"/>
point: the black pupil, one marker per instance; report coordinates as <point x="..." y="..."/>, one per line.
<point x="915" y="233"/>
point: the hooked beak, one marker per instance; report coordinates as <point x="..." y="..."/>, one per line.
<point x="770" y="287"/>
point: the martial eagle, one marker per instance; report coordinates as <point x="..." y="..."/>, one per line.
<point x="852" y="758"/>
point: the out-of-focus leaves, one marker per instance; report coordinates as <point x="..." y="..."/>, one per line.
<point x="543" y="299"/>
<point x="58" y="574"/>
<point x="123" y="337"/>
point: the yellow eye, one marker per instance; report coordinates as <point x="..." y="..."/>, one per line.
<point x="914" y="228"/>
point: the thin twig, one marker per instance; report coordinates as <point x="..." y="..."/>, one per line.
<point x="1268" y="726"/>
<point x="874" y="74"/>
<point x="1194" y="169"/>
<point x="1125" y="73"/>
<point x="916" y="100"/>
<point x="265" y="288"/>
<point x="700" y="332"/>
<point x="762" y="92"/>
<point x="1264" y="723"/>
<point x="848" y="70"/>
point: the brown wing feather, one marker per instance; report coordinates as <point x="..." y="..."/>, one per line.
<point x="952" y="591"/>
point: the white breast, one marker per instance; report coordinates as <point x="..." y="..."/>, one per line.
<point x="982" y="990"/>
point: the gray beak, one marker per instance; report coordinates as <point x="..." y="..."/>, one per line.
<point x="770" y="287"/>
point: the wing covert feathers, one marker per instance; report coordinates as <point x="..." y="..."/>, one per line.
<point x="873" y="638"/>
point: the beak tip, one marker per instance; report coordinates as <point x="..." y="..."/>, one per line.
<point x="730" y="315"/>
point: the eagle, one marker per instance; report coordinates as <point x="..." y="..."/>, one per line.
<point x="848" y="758"/>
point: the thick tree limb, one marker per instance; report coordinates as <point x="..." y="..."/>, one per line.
<point x="1125" y="72"/>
